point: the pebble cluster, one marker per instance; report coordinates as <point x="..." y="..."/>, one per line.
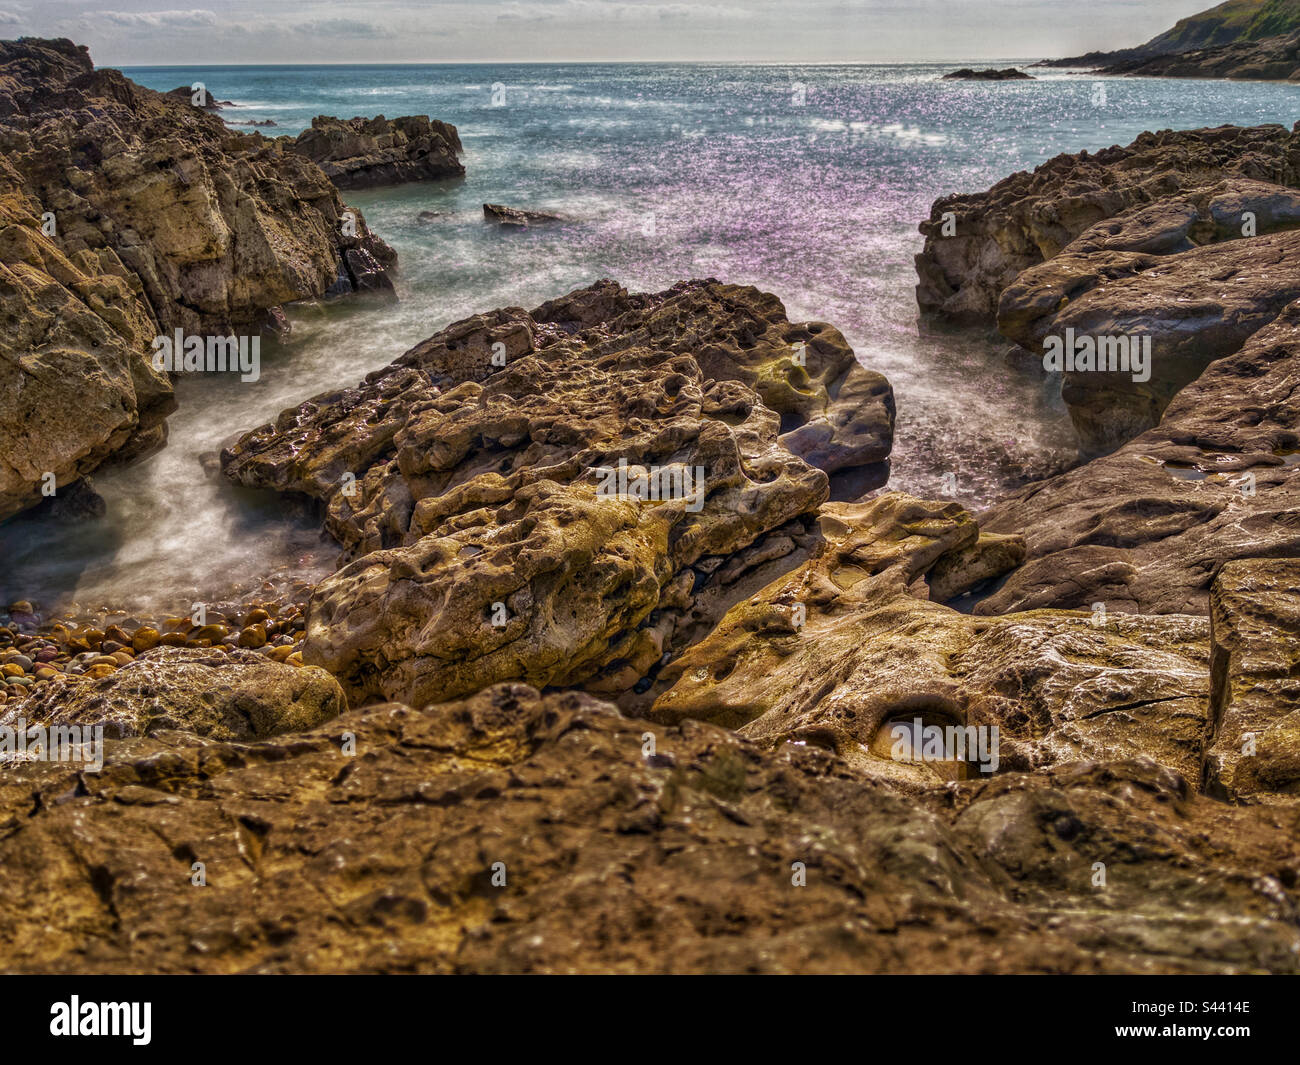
<point x="31" y="653"/>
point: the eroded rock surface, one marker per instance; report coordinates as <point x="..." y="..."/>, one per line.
<point x="1255" y="613"/>
<point x="513" y="832"/>
<point x="363" y="153"/>
<point x="840" y="650"/>
<point x="489" y="481"/>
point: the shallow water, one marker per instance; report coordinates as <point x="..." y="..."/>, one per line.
<point x="674" y="171"/>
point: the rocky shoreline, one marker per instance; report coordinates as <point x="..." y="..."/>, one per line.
<point x="626" y="622"/>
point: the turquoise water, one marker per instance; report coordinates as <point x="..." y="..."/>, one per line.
<point x="807" y="181"/>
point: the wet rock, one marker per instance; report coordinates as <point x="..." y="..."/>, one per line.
<point x="1146" y="529"/>
<point x="517" y="218"/>
<point x="77" y="503"/>
<point x="362" y="153"/>
<point x="224" y="695"/>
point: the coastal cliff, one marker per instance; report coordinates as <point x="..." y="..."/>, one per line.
<point x="128" y="214"/>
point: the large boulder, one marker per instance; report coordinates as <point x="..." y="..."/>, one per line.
<point x="76" y="384"/>
<point x="363" y="153"/>
<point x="489" y="485"/>
<point x="517" y="832"/>
<point x="225" y="695"/>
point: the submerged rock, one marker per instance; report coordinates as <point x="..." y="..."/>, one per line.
<point x="988" y="74"/>
<point x="517" y="218"/>
<point x="363" y="153"/>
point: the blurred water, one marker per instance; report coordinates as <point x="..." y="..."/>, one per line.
<point x="807" y="181"/>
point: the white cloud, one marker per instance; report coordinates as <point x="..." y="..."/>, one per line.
<point x="338" y="27"/>
<point x="156" y="20"/>
<point x="582" y="10"/>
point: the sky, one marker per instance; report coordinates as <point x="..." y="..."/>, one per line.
<point x="135" y="33"/>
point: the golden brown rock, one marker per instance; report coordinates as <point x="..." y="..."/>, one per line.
<point x="513" y="832"/>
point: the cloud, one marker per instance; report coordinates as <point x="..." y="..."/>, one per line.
<point x="8" y="18"/>
<point x="155" y="20"/>
<point x="339" y="27"/>
<point x="600" y="10"/>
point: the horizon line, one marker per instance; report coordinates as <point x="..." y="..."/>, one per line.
<point x="593" y="62"/>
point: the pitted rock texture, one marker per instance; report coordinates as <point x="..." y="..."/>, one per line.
<point x="126" y="214"/>
<point x="839" y="651"/>
<point x="227" y="695"/>
<point x="1029" y="218"/>
<point x="363" y="153"/>
<point x="1147" y="528"/>
<point x="513" y="832"/>
<point x="1255" y="614"/>
<point x="488" y="482"/>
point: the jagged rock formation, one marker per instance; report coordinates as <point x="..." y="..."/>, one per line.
<point x="1159" y="272"/>
<point x="224" y="694"/>
<point x="512" y="832"/>
<point x="363" y="153"/>
<point x="478" y="479"/>
<point x="1147" y="528"/>
<point x="991" y="238"/>
<point x="1256" y="681"/>
<point x="126" y="214"/>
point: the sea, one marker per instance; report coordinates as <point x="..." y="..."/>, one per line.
<point x="807" y="181"/>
